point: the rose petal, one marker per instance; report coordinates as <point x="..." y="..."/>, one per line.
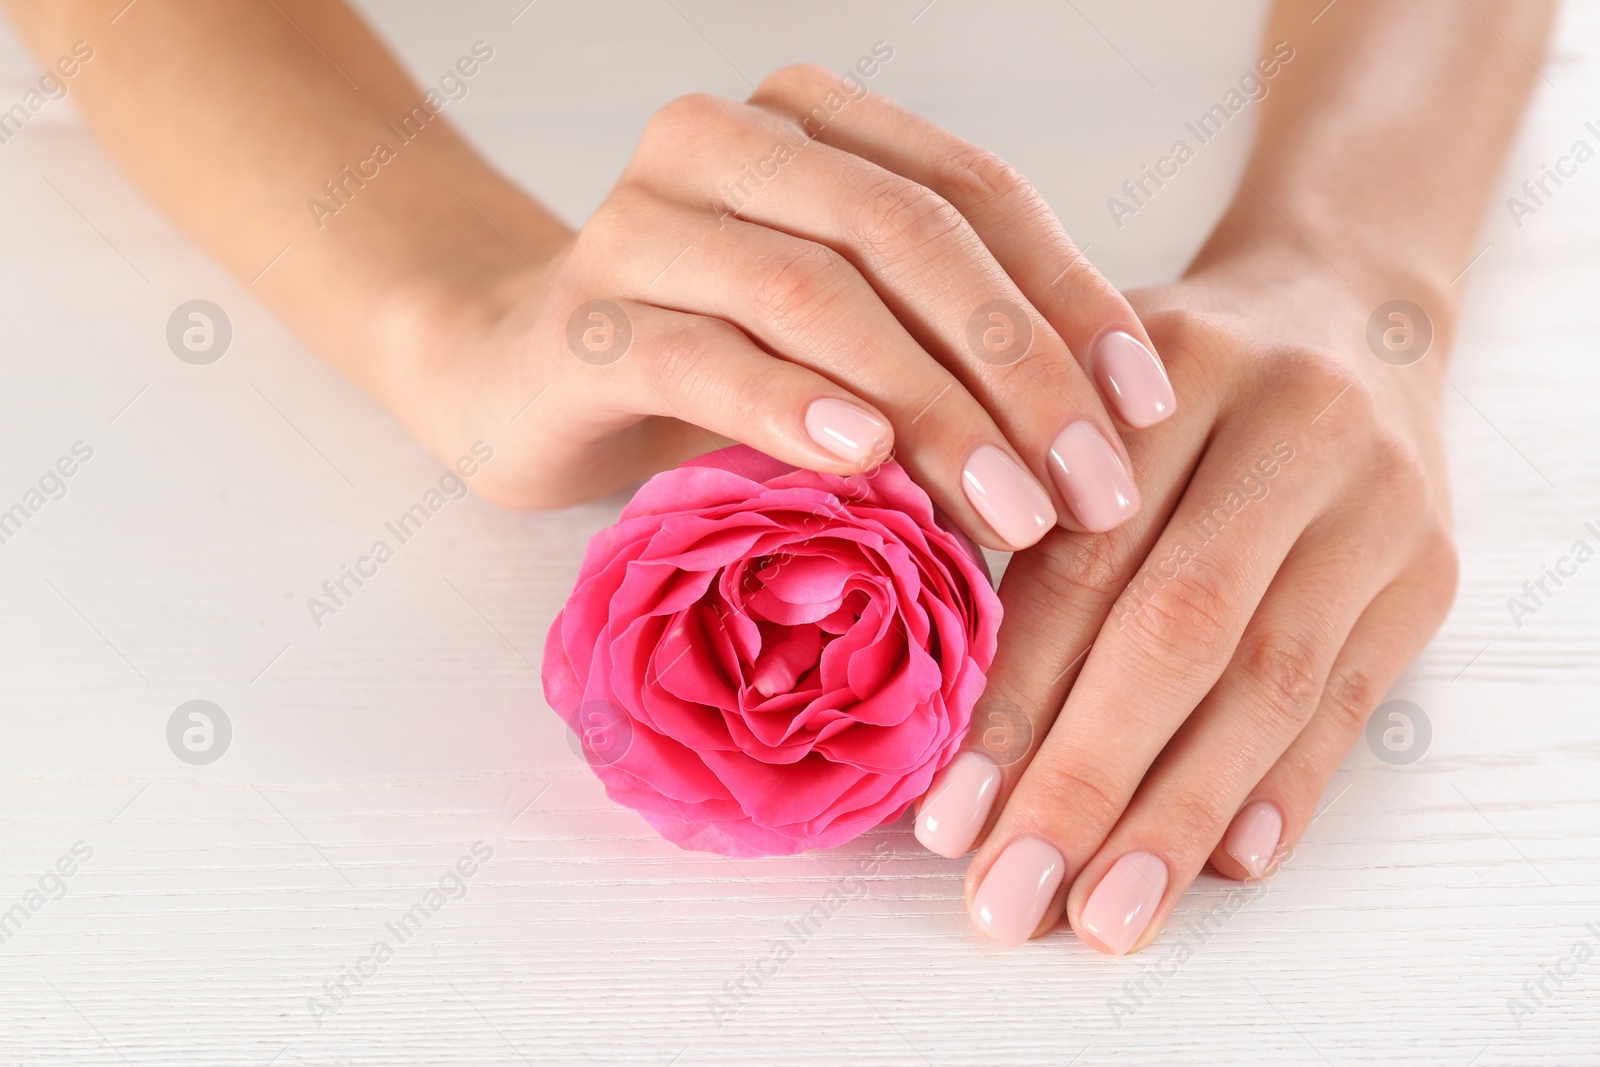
<point x="799" y="652"/>
<point x="782" y="665"/>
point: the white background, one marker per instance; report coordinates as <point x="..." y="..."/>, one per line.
<point x="371" y="753"/>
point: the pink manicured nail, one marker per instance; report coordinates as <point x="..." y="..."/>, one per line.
<point x="1017" y="890"/>
<point x="1121" y="905"/>
<point x="1253" y="837"/>
<point x="1095" y="484"/>
<point x="958" y="805"/>
<point x="847" y="430"/>
<point x="1008" y="497"/>
<point x="1133" y="379"/>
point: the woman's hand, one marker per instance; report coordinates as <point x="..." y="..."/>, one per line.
<point x="817" y="273"/>
<point x="1224" y="650"/>
<point x="822" y="304"/>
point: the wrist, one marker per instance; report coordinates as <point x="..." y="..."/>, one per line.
<point x="1333" y="281"/>
<point x="447" y="250"/>
<point x="434" y="330"/>
<point x="1345" y="251"/>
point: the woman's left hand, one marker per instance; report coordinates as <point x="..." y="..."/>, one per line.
<point x="1224" y="649"/>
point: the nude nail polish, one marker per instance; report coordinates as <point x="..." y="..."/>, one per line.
<point x="1010" y="499"/>
<point x="1253" y="837"/>
<point x="1092" y="480"/>
<point x="1133" y="379"/>
<point x="848" y="430"/>
<point x="1017" y="890"/>
<point x="958" y="805"/>
<point x="1122" y="905"/>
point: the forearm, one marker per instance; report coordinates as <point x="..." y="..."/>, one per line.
<point x="235" y="115"/>
<point x="1381" y="140"/>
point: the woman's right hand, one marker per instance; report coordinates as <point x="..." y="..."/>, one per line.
<point x="880" y="286"/>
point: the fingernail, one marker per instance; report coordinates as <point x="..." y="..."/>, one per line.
<point x="958" y="805"/>
<point x="1253" y="837"/>
<point x="1008" y="497"/>
<point x="848" y="430"/>
<point x="1017" y="890"/>
<point x="1121" y="905"/>
<point x="1133" y="379"/>
<point x="1095" y="484"/>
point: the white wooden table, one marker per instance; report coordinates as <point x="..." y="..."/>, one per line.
<point x="209" y="904"/>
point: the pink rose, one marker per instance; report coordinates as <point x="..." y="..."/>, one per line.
<point x="763" y="660"/>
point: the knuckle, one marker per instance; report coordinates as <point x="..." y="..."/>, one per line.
<point x="1049" y="368"/>
<point x="805" y="78"/>
<point x="1082" y="571"/>
<point x="1188" y="329"/>
<point x="1399" y="473"/>
<point x="688" y="357"/>
<point x="1204" y="346"/>
<point x="1187" y="615"/>
<point x="1350" y="696"/>
<point x="1079" y="795"/>
<point x="1081" y="281"/>
<point x="628" y="210"/>
<point x="685" y="120"/>
<point x="679" y="357"/>
<point x="1311" y="368"/>
<point x="899" y="215"/>
<point x="1323" y="384"/>
<point x="1442" y="561"/>
<point x="750" y="400"/>
<point x="1286" y="671"/>
<point x="977" y="176"/>
<point x="1194" y="821"/>
<point x="792" y="288"/>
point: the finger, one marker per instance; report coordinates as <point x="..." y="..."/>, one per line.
<point x="808" y="304"/>
<point x="1167" y="641"/>
<point x="1264" y="698"/>
<point x="1012" y="219"/>
<point x="935" y="275"/>
<point x="1389" y="635"/>
<point x="1056" y="597"/>
<point x="704" y="373"/>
